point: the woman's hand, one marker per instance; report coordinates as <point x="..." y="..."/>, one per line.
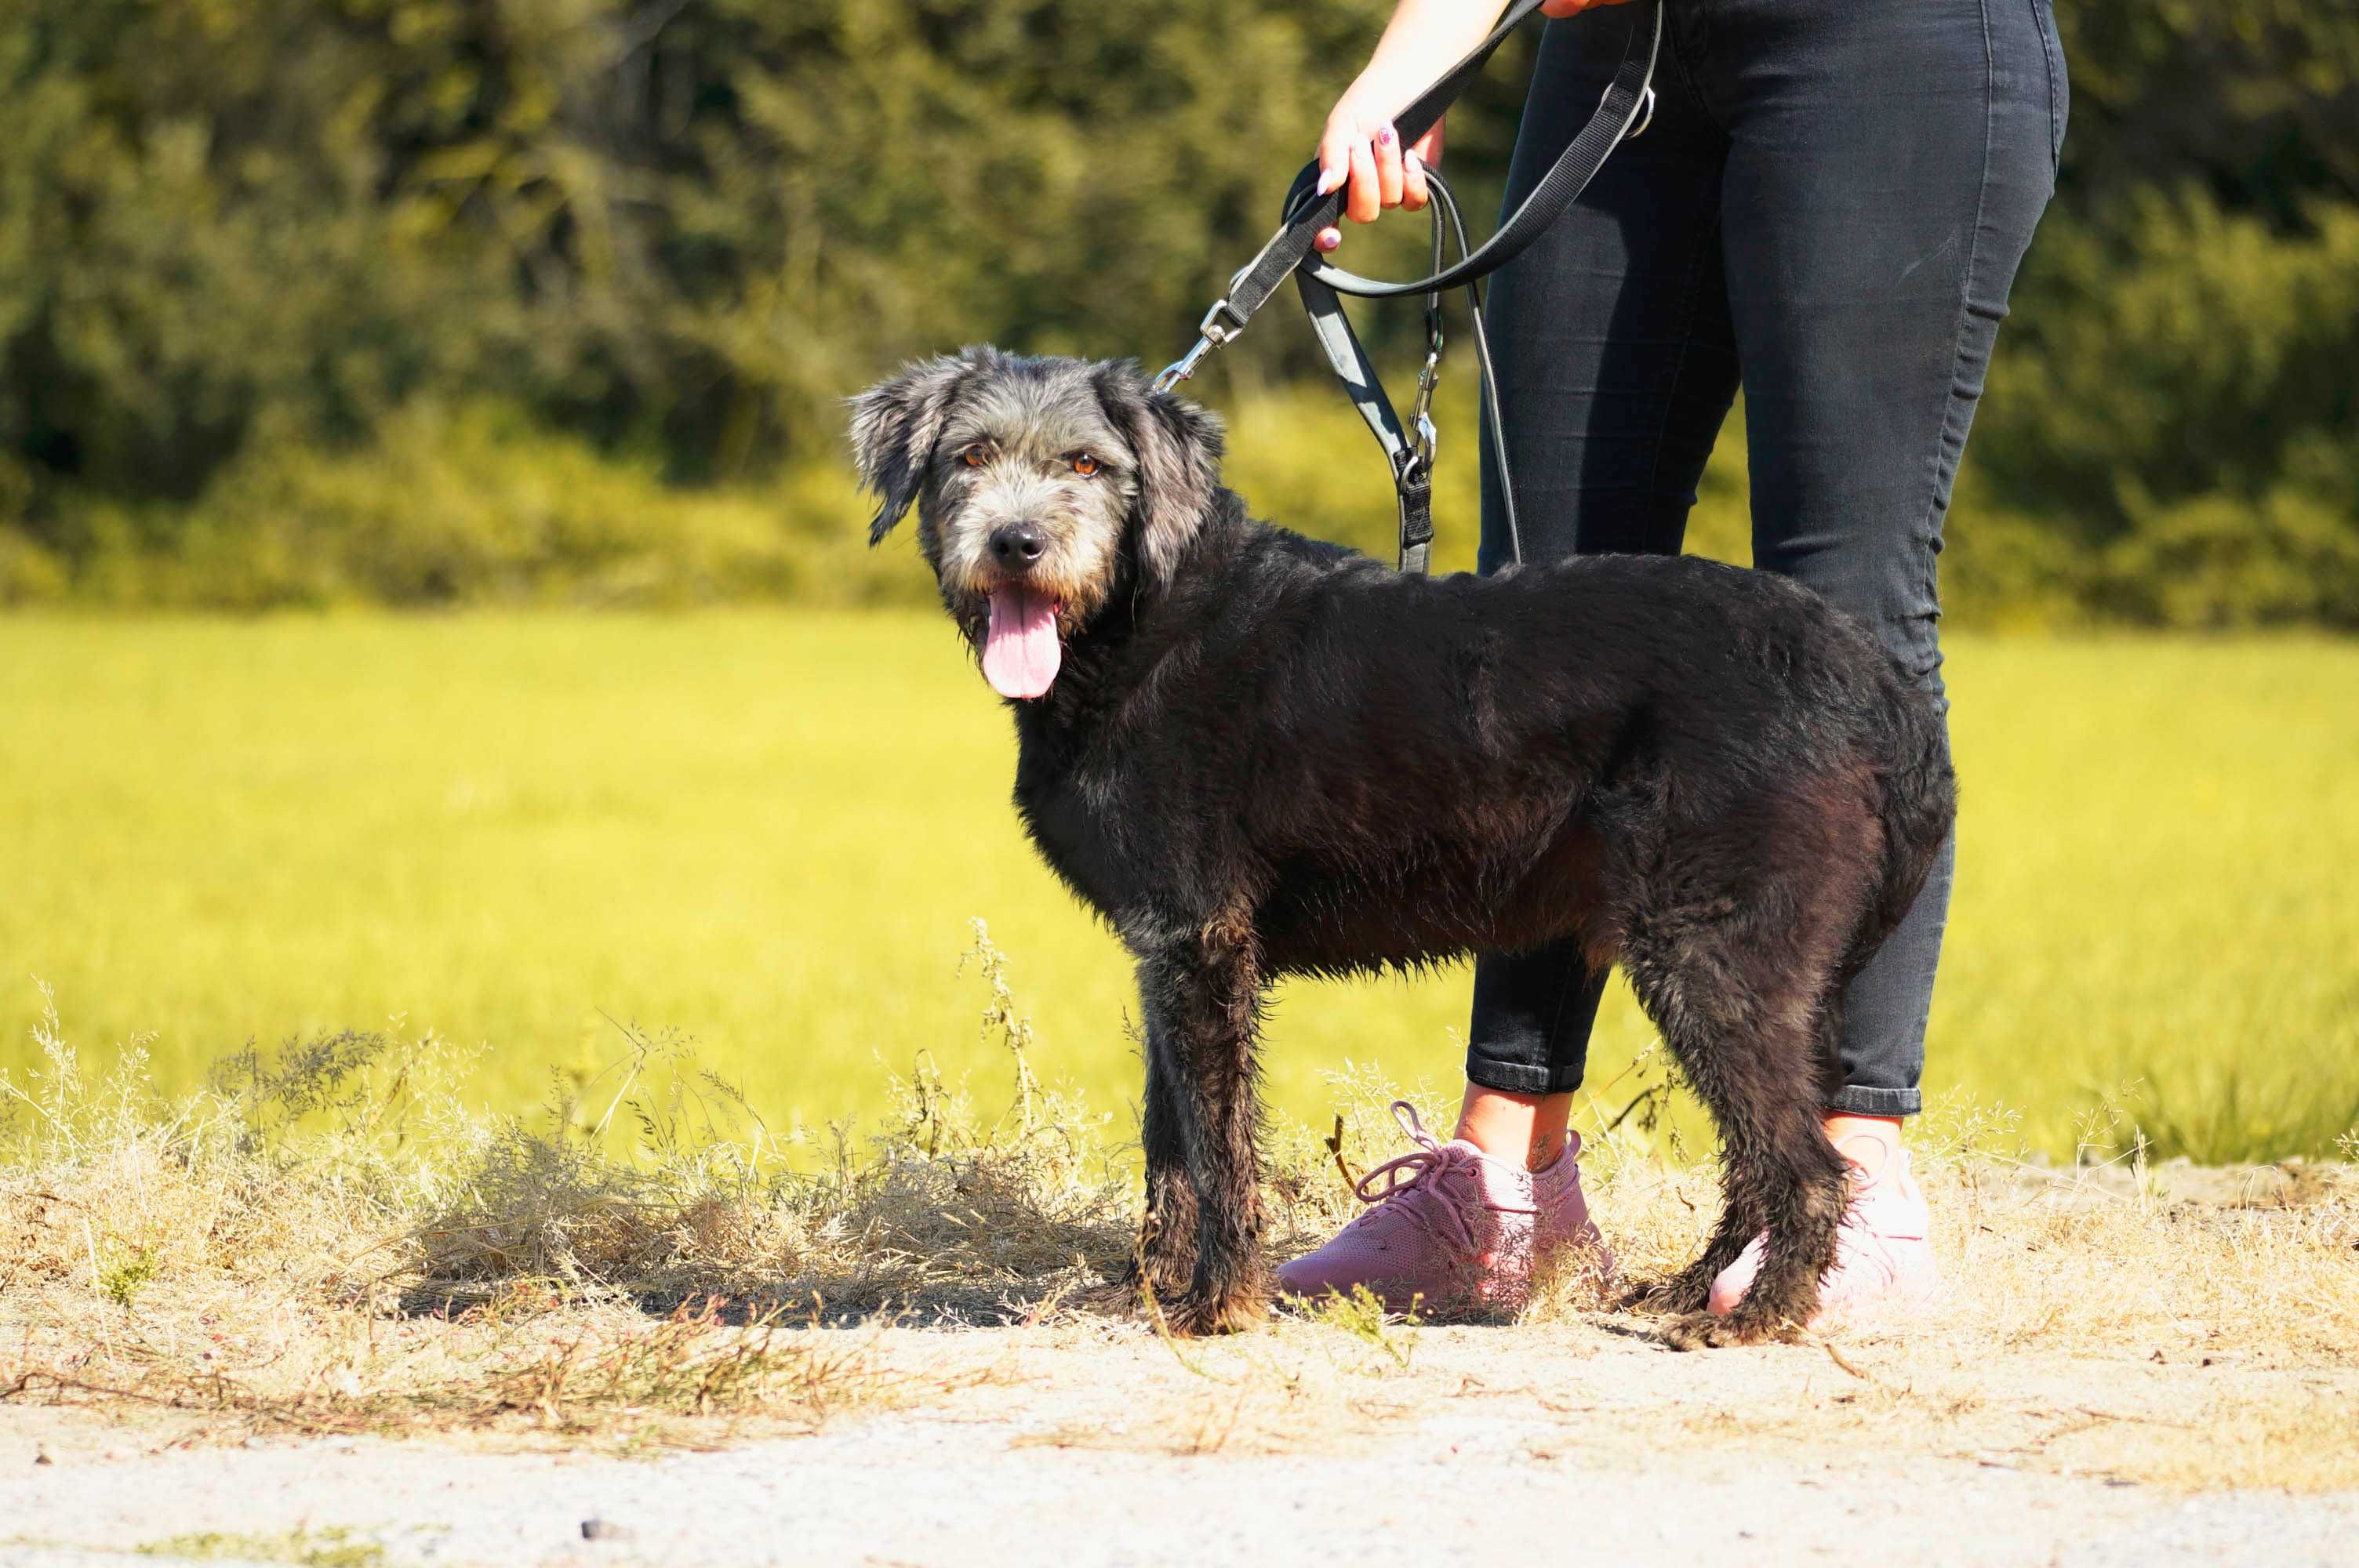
<point x="1360" y="148"/>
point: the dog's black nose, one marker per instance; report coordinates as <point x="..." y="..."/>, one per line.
<point x="1016" y="545"/>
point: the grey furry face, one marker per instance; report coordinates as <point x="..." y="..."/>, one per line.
<point x="1044" y="487"/>
<point x="1032" y="481"/>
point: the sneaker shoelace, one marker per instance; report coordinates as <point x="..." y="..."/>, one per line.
<point x="1411" y="1182"/>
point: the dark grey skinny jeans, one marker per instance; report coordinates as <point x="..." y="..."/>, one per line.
<point x="1828" y="209"/>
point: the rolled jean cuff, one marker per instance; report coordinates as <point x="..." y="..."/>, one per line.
<point x="1853" y="1101"/>
<point x="1520" y="1077"/>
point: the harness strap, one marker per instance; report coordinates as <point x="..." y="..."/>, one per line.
<point x="1409" y="452"/>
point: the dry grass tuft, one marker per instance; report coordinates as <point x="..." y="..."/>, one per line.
<point x="326" y="1241"/>
<point x="544" y="1367"/>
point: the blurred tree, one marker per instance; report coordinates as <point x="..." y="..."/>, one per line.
<point x="2174" y="392"/>
<point x="2256" y="100"/>
<point x="679" y="231"/>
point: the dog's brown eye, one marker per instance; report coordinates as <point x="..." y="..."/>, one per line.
<point x="975" y="454"/>
<point x="1083" y="464"/>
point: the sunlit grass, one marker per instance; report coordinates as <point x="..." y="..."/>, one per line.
<point x="767" y="830"/>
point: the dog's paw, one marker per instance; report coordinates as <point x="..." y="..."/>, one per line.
<point x="1118" y="1297"/>
<point x="1195" y="1317"/>
<point x="1707" y="1331"/>
<point x="1682" y="1293"/>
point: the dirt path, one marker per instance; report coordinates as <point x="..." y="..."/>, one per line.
<point x="1085" y="1445"/>
<point x="2133" y="1366"/>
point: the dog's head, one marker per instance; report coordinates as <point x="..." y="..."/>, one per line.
<point x="1044" y="488"/>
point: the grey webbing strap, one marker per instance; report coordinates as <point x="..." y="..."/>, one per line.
<point x="1408" y="455"/>
<point x="1411" y="454"/>
<point x="1413" y="484"/>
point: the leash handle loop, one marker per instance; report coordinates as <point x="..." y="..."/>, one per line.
<point x="1625" y="110"/>
<point x="1305" y="211"/>
<point x="1629" y="96"/>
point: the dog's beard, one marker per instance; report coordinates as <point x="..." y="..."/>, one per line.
<point x="1020" y="649"/>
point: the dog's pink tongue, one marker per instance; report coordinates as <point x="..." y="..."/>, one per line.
<point x="1021" y="653"/>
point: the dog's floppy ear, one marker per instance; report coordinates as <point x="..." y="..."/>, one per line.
<point x="895" y="425"/>
<point x="1178" y="447"/>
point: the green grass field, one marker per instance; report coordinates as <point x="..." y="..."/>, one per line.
<point x="770" y="831"/>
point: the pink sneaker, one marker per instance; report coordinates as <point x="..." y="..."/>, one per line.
<point x="1451" y="1227"/>
<point x="1884" y="1257"/>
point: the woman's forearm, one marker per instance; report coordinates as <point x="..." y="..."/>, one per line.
<point x="1360" y="146"/>
<point x="1422" y="38"/>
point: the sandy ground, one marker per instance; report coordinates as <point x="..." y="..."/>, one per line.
<point x="2155" y="1367"/>
<point x="1099" y="1445"/>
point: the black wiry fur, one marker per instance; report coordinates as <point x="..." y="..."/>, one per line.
<point x="1265" y="755"/>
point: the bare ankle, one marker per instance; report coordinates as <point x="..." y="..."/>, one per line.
<point x="1869" y="1143"/>
<point x="1519" y="1129"/>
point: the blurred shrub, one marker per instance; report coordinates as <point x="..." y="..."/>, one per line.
<point x="2177" y="352"/>
<point x="2220" y="561"/>
<point x="27" y="572"/>
<point x="2178" y="409"/>
<point x="686" y="226"/>
<point x="473" y="504"/>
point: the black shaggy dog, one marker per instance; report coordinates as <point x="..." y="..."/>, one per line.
<point x="1256" y="754"/>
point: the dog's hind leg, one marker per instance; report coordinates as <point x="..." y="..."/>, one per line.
<point x="1743" y="1017"/>
<point x="1202" y="1000"/>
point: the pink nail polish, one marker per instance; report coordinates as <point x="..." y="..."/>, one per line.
<point x="1384" y="138"/>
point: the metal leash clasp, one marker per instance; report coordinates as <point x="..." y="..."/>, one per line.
<point x="1421" y="412"/>
<point x="1221" y="325"/>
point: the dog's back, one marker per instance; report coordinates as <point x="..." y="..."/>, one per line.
<point x="1393" y="770"/>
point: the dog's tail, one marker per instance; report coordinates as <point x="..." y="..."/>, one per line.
<point x="1920" y="807"/>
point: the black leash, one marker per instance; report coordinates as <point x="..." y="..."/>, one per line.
<point x="1623" y="112"/>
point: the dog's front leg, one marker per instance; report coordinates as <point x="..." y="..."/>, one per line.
<point x="1202" y="1000"/>
<point x="1164" y="1268"/>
